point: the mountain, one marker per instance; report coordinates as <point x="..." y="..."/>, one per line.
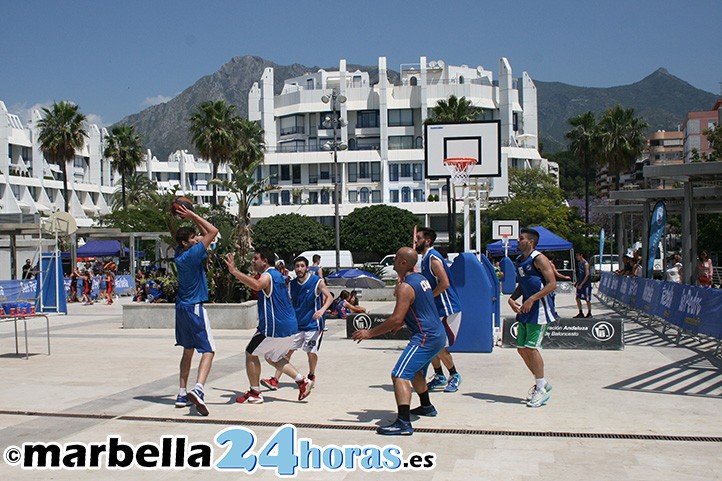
<point x="164" y="127"/>
<point x="661" y="98"/>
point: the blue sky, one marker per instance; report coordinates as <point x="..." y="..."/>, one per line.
<point x="115" y="58"/>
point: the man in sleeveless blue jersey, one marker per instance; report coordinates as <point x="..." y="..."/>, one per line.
<point x="536" y="281"/>
<point x="316" y="268"/>
<point x="584" y="285"/>
<point x="310" y="298"/>
<point x="192" y="328"/>
<point x="277" y="325"/>
<point x="414" y="307"/>
<point x="447" y="301"/>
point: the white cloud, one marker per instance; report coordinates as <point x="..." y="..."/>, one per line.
<point x="26" y="113"/>
<point x="158" y="99"/>
<point x="95" y="119"/>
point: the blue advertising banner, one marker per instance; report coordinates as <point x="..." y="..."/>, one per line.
<point x="699" y="310"/>
<point x="657" y="224"/>
<point x="601" y="250"/>
<point x="125" y="285"/>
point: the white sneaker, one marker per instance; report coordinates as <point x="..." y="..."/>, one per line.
<point x="532" y="389"/>
<point x="539" y="398"/>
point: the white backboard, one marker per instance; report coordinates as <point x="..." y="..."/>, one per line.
<point x="499" y="228"/>
<point x="480" y="140"/>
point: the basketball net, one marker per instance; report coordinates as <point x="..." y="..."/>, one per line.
<point x="460" y="169"/>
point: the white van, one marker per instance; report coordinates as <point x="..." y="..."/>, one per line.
<point x="389" y="274"/>
<point x="328" y="259"/>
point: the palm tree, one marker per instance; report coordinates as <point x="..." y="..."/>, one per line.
<point x="137" y="189"/>
<point x="213" y="130"/>
<point x="127" y="153"/>
<point x="454" y="110"/>
<point x="251" y="144"/>
<point x="585" y="146"/>
<point x="61" y="134"/>
<point x="622" y="139"/>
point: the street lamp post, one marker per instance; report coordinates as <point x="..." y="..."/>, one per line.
<point x="335" y="145"/>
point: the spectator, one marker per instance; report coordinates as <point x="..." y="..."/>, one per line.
<point x="638" y="269"/>
<point x="27" y="270"/>
<point x="674" y="273"/>
<point x="705" y="270"/>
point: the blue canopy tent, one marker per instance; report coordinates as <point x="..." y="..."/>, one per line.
<point x="102" y="248"/>
<point x="548" y="241"/>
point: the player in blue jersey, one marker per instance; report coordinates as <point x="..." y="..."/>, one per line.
<point x="414" y="307"/>
<point x="447" y="301"/>
<point x="316" y="268"/>
<point x="310" y="298"/>
<point x="277" y="325"/>
<point x="584" y="285"/>
<point x="192" y="328"/>
<point x="536" y="281"/>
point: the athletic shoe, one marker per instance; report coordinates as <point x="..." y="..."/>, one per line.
<point x="398" y="428"/>
<point x="429" y="411"/>
<point x="579" y="316"/>
<point x="532" y="390"/>
<point x="182" y="402"/>
<point x="539" y="398"/>
<point x="589" y="314"/>
<point x="196" y="397"/>
<point x="311" y="381"/>
<point x="271" y="383"/>
<point x="437" y="383"/>
<point x="250" y="397"/>
<point x="454" y="383"/>
<point x="304" y="388"/>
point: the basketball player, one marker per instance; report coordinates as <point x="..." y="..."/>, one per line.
<point x="448" y="304"/>
<point x="192" y="328"/>
<point x="277" y="326"/>
<point x="310" y="298"/>
<point x="316" y="267"/>
<point x="536" y="282"/>
<point x="415" y="307"/>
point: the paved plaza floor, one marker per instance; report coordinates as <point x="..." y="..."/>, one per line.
<point x="648" y="412"/>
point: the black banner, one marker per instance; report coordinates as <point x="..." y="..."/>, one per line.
<point x="358" y="322"/>
<point x="602" y="334"/>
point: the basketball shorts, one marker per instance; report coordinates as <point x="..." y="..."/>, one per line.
<point x="530" y="335"/>
<point x="192" y="328"/>
<point x="309" y="341"/>
<point x="415" y="358"/>
<point x="452" y="323"/>
<point x="272" y="349"/>
<point x="585" y="292"/>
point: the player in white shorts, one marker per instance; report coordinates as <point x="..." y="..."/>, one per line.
<point x="310" y="298"/>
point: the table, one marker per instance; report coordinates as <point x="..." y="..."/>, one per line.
<point x="25" y="319"/>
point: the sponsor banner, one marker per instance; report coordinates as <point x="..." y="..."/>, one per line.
<point x="18" y="290"/>
<point x="358" y="322"/>
<point x="657" y="223"/>
<point x="699" y="309"/>
<point x="125" y="285"/>
<point x="602" y="334"/>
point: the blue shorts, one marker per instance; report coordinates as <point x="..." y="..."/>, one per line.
<point x="192" y="328"/>
<point x="416" y="358"/>
<point x="585" y="292"/>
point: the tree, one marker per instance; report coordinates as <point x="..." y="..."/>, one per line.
<point x="250" y="146"/>
<point x="378" y="229"/>
<point x="61" y="134"/>
<point x="214" y="130"/>
<point x="622" y="139"/>
<point x="454" y="110"/>
<point x="290" y="234"/>
<point x="714" y="137"/>
<point x="585" y="145"/>
<point x="139" y="190"/>
<point x="124" y="146"/>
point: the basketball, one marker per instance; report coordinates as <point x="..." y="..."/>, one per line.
<point x="184" y="201"/>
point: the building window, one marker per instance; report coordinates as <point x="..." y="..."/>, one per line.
<point x="367" y="119"/>
<point x="419" y="143"/>
<point x="368" y="143"/>
<point x="461" y="79"/>
<point x="401" y="117"/>
<point x="376" y="196"/>
<point x="356" y="81"/>
<point x="273" y="170"/>
<point x="515" y="121"/>
<point x="375" y="171"/>
<point x="325" y="197"/>
<point x="285" y="172"/>
<point x="309" y="83"/>
<point x="352" y="196"/>
<point x="406" y="194"/>
<point x="418" y="195"/>
<point x="401" y="142"/>
<point x="313" y="197"/>
<point x="273" y="198"/>
<point x="352" y="168"/>
<point x="413" y="81"/>
<point x="364" y="195"/>
<point x="296" y="174"/>
<point x="394" y="172"/>
<point x="325" y="172"/>
<point x="418" y="172"/>
<point x="363" y="170"/>
<point x="286" y="197"/>
<point x="292" y="124"/>
<point x="394" y="195"/>
<point x="313" y="174"/>
<point x="405" y="170"/>
<point x="292" y="146"/>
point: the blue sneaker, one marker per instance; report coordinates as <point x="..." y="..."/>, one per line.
<point x="398" y="428"/>
<point x="182" y="401"/>
<point x="454" y="383"/>
<point x="437" y="383"/>
<point x="429" y="411"/>
<point x="196" y="397"/>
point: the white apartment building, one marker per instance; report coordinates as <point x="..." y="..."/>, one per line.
<point x="384" y="131"/>
<point x="30" y="185"/>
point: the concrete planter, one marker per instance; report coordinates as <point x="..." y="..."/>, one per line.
<point x="162" y="316"/>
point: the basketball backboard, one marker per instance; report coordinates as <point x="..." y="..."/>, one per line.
<point x="508" y="228"/>
<point x="480" y="140"/>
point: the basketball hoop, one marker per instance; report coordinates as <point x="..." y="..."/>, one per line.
<point x="460" y="169"/>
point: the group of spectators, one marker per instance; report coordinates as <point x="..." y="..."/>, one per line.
<point x="704" y="269"/>
<point x="83" y="278"/>
<point x="149" y="286"/>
